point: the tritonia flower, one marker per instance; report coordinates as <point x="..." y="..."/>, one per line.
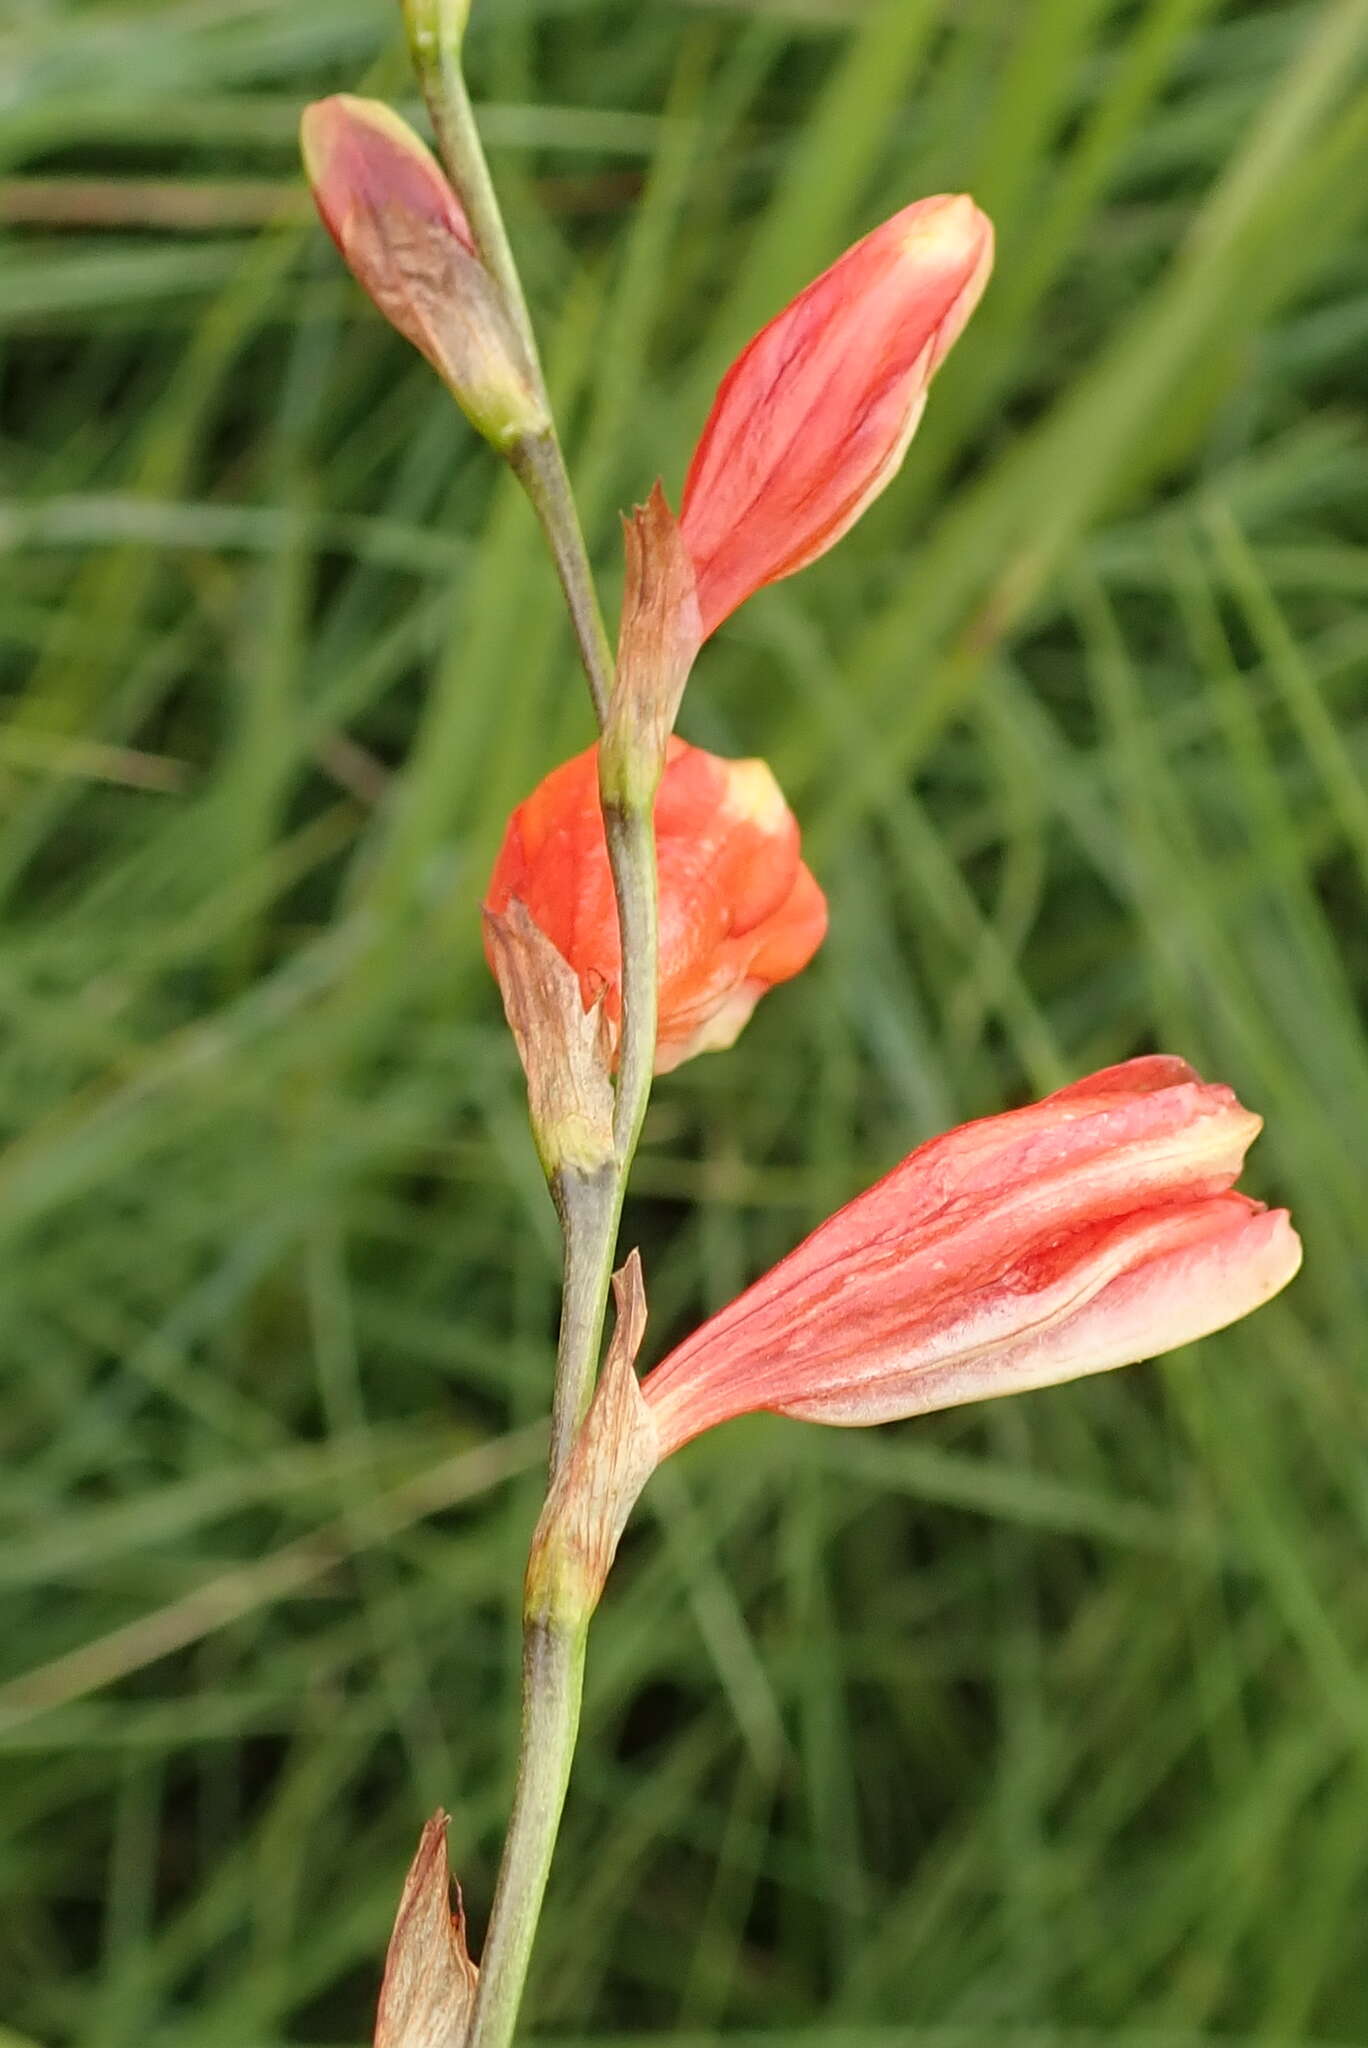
<point x="738" y="909"/>
<point x="1096" y="1228"/>
<point x="814" y="417"/>
<point x="1091" y="1230"/>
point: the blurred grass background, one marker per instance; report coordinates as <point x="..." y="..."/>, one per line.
<point x="1041" y="1724"/>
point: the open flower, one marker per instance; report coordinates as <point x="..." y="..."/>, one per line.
<point x="738" y="909"/>
<point x="1088" y="1231"/>
<point x="815" y="415"/>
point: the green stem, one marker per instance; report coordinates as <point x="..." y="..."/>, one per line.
<point x="553" y="1654"/>
<point x="435" y="29"/>
<point x="632" y="857"/>
<point x="539" y="466"/>
<point x="589" y="1206"/>
<point x="553" y="1674"/>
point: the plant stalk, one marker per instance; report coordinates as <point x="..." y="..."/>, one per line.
<point x="589" y="1207"/>
<point x="553" y="1655"/>
<point x="632" y="856"/>
<point x="553" y="1676"/>
<point x="538" y="461"/>
<point x="539" y="465"/>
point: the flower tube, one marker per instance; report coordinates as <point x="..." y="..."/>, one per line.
<point x="815" y="415"/>
<point x="1091" y="1230"/>
<point x="739" y="911"/>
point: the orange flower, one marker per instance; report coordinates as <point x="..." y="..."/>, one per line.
<point x="1088" y="1231"/>
<point x="815" y="415"/>
<point x="738" y="909"/>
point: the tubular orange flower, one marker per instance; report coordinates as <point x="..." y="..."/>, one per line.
<point x="815" y="415"/>
<point x="1091" y="1230"/>
<point x="738" y="909"/>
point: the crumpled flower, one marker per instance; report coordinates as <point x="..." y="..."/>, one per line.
<point x="738" y="909"/>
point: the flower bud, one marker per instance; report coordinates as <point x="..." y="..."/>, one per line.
<point x="1088" y="1231"/>
<point x="401" y="230"/>
<point x="738" y="909"/>
<point x="815" y="415"/>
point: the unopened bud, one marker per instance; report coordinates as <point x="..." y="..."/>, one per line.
<point x="404" y="236"/>
<point x="815" y="415"/>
